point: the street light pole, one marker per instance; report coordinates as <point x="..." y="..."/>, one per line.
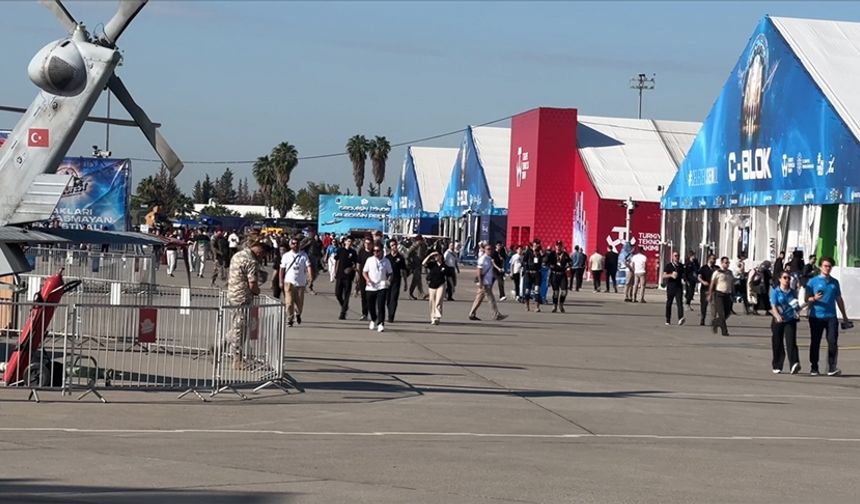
<point x="642" y="83"/>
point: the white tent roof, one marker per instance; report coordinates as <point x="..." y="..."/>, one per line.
<point x="433" y="167"/>
<point x="494" y="151"/>
<point x="631" y="157"/>
<point x="830" y="51"/>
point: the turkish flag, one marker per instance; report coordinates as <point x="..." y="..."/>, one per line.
<point x="37" y="137"/>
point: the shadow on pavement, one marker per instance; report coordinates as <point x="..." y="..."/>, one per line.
<point x="32" y="491"/>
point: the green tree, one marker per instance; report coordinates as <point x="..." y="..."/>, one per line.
<point x="372" y="190"/>
<point x="379" y="148"/>
<point x="308" y="198"/>
<point x="357" y="148"/>
<point x="264" y="173"/>
<point x="284" y="159"/>
<point x="218" y="210"/>
<point x="161" y="190"/>
<point x="253" y="216"/>
<point x="224" y="192"/>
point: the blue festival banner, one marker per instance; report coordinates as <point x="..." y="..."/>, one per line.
<point x="406" y="201"/>
<point x="772" y="138"/>
<point x="97" y="197"/>
<point x="468" y="190"/>
<point x="342" y="214"/>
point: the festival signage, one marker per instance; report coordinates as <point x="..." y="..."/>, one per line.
<point x="772" y="138"/>
<point x="343" y="214"/>
<point x="97" y="197"/>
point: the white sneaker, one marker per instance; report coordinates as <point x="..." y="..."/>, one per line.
<point x="381" y="328"/>
<point x="503" y="298"/>
<point x="682" y="320"/>
<point x="835" y="372"/>
<point x="776" y="371"/>
<point x="372" y="326"/>
<point x="795" y="368"/>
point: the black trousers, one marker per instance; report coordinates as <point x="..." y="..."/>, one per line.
<point x="722" y="310"/>
<point x="393" y="298"/>
<point x="595" y="275"/>
<point x="361" y="285"/>
<point x="610" y="275"/>
<point x="577" y="274"/>
<point x="342" y="291"/>
<point x="674" y="294"/>
<point x="450" y="284"/>
<point x="703" y="305"/>
<point x="817" y="327"/>
<point x="784" y="339"/>
<point x="689" y="291"/>
<point x="516" y="279"/>
<point x="531" y="279"/>
<point x="500" y="279"/>
<point x="558" y="283"/>
<point x="376" y="303"/>
<point x="417" y="282"/>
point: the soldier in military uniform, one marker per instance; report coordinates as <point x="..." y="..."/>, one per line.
<point x="559" y="262"/>
<point x="243" y="284"/>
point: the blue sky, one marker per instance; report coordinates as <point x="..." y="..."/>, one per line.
<point x="229" y="80"/>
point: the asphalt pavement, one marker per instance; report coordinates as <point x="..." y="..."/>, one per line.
<point x="601" y="404"/>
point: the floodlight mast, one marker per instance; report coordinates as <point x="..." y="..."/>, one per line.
<point x="641" y="83"/>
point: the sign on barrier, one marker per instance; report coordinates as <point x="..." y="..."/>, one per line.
<point x="148" y="328"/>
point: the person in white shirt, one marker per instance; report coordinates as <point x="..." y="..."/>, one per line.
<point x="516" y="270"/>
<point x="639" y="262"/>
<point x="293" y="276"/>
<point x="485" y="277"/>
<point x="377" y="272"/>
<point x="596" y="263"/>
<point x="452" y="262"/>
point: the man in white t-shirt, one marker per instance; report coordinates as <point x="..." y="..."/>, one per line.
<point x="485" y="276"/>
<point x="377" y="276"/>
<point x="293" y="274"/>
<point x="639" y="262"/>
<point x="232" y="245"/>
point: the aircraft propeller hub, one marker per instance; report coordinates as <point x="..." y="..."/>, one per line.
<point x="59" y="69"/>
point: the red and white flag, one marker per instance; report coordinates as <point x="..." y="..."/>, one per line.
<point x="37" y="137"/>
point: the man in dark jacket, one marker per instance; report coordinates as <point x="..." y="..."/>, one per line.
<point x="414" y="256"/>
<point x="691" y="278"/>
<point x="611" y="267"/>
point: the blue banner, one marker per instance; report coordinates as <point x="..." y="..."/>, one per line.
<point x="97" y="196"/>
<point x="772" y="138"/>
<point x="406" y="201"/>
<point x="468" y="190"/>
<point x="342" y="214"/>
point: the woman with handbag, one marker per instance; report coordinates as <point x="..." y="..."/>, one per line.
<point x="784" y="308"/>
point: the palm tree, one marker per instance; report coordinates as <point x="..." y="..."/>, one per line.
<point x="357" y="147"/>
<point x="284" y="160"/>
<point x="379" y="149"/>
<point x="265" y="175"/>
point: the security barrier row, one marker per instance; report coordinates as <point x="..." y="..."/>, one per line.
<point x="91" y="348"/>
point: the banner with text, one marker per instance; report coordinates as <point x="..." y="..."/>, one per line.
<point x="344" y="214"/>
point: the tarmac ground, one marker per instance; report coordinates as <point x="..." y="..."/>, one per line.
<point x="601" y="404"/>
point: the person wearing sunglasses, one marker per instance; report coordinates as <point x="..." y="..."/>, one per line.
<point x="377" y="276"/>
<point x="784" y="307"/>
<point x="824" y="294"/>
<point x="720" y="294"/>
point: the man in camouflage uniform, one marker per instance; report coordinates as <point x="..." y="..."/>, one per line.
<point x="242" y="286"/>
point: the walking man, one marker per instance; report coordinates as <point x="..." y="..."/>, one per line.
<point x="485" y="273"/>
<point x="345" y="268"/>
<point x="500" y="257"/>
<point x="824" y="294"/>
<point x="720" y="293"/>
<point x="531" y="275"/>
<point x="415" y="255"/>
<point x="452" y="263"/>
<point x="516" y="271"/>
<point x="221" y="252"/>
<point x="704" y="277"/>
<point x="558" y="263"/>
<point x="611" y="267"/>
<point x="398" y="271"/>
<point x="312" y="246"/>
<point x="578" y="266"/>
<point x="691" y="276"/>
<point x="377" y="272"/>
<point x="597" y="265"/>
<point x="640" y="269"/>
<point x="673" y="276"/>
<point x="294" y="274"/>
<point x="364" y="254"/>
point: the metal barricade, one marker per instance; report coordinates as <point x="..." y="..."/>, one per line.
<point x="251" y="349"/>
<point x="97" y="291"/>
<point x="35" y="340"/>
<point x="144" y="348"/>
<point x="83" y="263"/>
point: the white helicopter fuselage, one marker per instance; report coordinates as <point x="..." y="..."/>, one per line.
<point x="43" y="137"/>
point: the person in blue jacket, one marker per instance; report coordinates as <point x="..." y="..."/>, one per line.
<point x="823" y="295"/>
<point x="784" y="307"/>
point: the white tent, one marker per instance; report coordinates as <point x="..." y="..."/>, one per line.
<point x="632" y="157"/>
<point x="433" y="167"/>
<point x="493" y="146"/>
